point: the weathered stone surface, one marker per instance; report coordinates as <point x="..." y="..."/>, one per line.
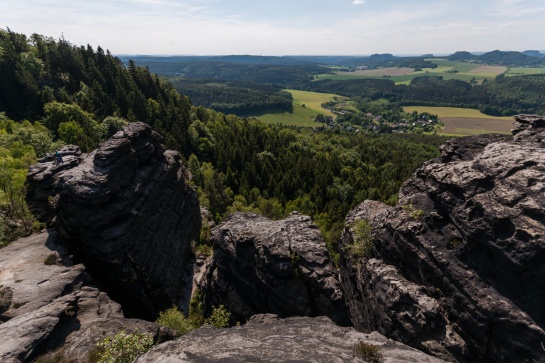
<point x="280" y="267"/>
<point x="51" y="304"/>
<point x="266" y="338"/>
<point x="33" y="283"/>
<point x="458" y="264"/>
<point x="125" y="210"/>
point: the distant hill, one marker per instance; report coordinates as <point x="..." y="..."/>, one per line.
<point x="507" y="58"/>
<point x="534" y="53"/>
<point x="462" y="56"/>
<point x="382" y="56"/>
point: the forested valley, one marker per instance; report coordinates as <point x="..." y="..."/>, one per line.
<point x="504" y="96"/>
<point x="54" y="93"/>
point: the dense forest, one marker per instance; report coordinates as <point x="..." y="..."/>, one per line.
<point x="235" y="97"/>
<point x="42" y="79"/>
<point x="55" y="93"/>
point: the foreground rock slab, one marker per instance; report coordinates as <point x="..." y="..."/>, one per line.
<point x="48" y="302"/>
<point x="456" y="269"/>
<point x="266" y="338"/>
<point x="126" y="211"/>
<point x="280" y="267"/>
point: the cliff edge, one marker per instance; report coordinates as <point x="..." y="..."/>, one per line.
<point x="456" y="268"/>
<point x="127" y="211"/>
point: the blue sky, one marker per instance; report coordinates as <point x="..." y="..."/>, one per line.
<point x="281" y="27"/>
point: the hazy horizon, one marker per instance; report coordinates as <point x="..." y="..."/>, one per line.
<point x="320" y="27"/>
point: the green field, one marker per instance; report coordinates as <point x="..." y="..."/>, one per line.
<point x="512" y="72"/>
<point x="466" y="121"/>
<point x="461" y="67"/>
<point x="306" y="106"/>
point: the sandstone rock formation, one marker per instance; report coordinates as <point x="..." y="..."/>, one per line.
<point x="48" y="302"/>
<point x="266" y="338"/>
<point x="126" y="210"/>
<point x="280" y="267"/>
<point x="456" y="269"/>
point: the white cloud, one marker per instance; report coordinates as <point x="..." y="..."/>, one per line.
<point x="517" y="8"/>
<point x="358" y="2"/>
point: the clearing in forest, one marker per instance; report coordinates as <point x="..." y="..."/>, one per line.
<point x="306" y="106"/>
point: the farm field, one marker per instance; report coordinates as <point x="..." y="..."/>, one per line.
<point x="380" y="72"/>
<point x="461" y="67"/>
<point x="464" y="121"/>
<point x="512" y="72"/>
<point x="447" y="69"/>
<point x="489" y="71"/>
<point x="302" y="115"/>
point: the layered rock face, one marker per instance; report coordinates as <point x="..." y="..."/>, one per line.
<point x="47" y="301"/>
<point x="280" y="267"/>
<point x="266" y="338"/>
<point x="126" y="210"/>
<point x="456" y="269"/>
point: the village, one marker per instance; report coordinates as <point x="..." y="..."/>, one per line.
<point x="351" y="121"/>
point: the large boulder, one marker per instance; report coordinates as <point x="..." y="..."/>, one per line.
<point x="456" y="268"/>
<point x="127" y="211"/>
<point x="49" y="302"/>
<point x="265" y="266"/>
<point x="266" y="338"/>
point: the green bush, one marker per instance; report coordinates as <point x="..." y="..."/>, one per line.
<point x="175" y="320"/>
<point x="123" y="347"/>
<point x="196" y="309"/>
<point x="219" y="317"/>
<point x="368" y="352"/>
<point x="415" y="214"/>
<point x="52" y="259"/>
<point x="362" y="245"/>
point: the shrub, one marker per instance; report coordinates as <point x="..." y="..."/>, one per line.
<point x="52" y="259"/>
<point x="175" y="320"/>
<point x="196" y="309"/>
<point x="219" y="318"/>
<point x="415" y="214"/>
<point x="123" y="347"/>
<point x="368" y="352"/>
<point x="53" y="357"/>
<point x="362" y="245"/>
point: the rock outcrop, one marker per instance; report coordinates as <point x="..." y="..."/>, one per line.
<point x="49" y="302"/>
<point x="266" y="338"/>
<point x="280" y="267"/>
<point x="456" y="269"/>
<point x="126" y="211"/>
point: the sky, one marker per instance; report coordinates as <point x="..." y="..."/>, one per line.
<point x="283" y="27"/>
